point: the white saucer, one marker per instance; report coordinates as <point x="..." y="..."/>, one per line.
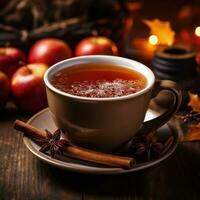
<point x="43" y="120"/>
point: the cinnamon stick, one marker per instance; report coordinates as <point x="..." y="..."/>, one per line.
<point x="101" y="158"/>
<point x="28" y="130"/>
<point x="78" y="152"/>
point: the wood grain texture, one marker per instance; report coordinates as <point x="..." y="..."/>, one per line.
<point x="24" y="177"/>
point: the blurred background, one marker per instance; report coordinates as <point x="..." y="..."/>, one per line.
<point x="24" y="21"/>
<point x="137" y="28"/>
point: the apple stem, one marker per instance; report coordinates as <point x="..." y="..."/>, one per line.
<point x="22" y="63"/>
<point x="94" y="32"/>
<point x="28" y="68"/>
<point x="4" y="50"/>
<point x="7" y="44"/>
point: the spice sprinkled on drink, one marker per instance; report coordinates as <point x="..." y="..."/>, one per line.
<point x="98" y="80"/>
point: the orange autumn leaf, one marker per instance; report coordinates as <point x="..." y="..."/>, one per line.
<point x="193" y="133"/>
<point x="194" y="102"/>
<point x="162" y="30"/>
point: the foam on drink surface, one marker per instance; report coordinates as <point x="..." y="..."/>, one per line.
<point x="99" y="83"/>
<point x="103" y="88"/>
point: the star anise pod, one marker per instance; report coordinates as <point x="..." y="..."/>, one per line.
<point x="147" y="146"/>
<point x="52" y="143"/>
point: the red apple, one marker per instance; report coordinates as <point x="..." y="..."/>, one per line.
<point x="49" y="51"/>
<point x="28" y="87"/>
<point x="10" y="60"/>
<point x="4" y="89"/>
<point x="96" y="45"/>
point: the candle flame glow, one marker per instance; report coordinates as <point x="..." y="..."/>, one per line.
<point x="153" y="39"/>
<point x="197" y="31"/>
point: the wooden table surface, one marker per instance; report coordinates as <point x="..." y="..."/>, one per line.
<point x="24" y="177"/>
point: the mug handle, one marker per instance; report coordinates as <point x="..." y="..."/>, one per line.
<point x="159" y="121"/>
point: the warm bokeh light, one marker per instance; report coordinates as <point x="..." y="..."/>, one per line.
<point x="162" y="30"/>
<point x="153" y="39"/>
<point x="197" y="31"/>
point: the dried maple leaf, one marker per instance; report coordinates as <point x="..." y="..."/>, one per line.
<point x="193" y="133"/>
<point x="162" y="30"/>
<point x="194" y="102"/>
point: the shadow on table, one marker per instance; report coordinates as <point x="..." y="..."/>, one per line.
<point x="10" y="112"/>
<point x="162" y="181"/>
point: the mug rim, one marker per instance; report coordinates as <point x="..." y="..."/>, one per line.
<point x="132" y="63"/>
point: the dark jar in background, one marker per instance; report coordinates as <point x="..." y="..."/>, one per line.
<point x="179" y="65"/>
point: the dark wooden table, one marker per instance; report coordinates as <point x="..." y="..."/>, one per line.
<point x="24" y="177"/>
